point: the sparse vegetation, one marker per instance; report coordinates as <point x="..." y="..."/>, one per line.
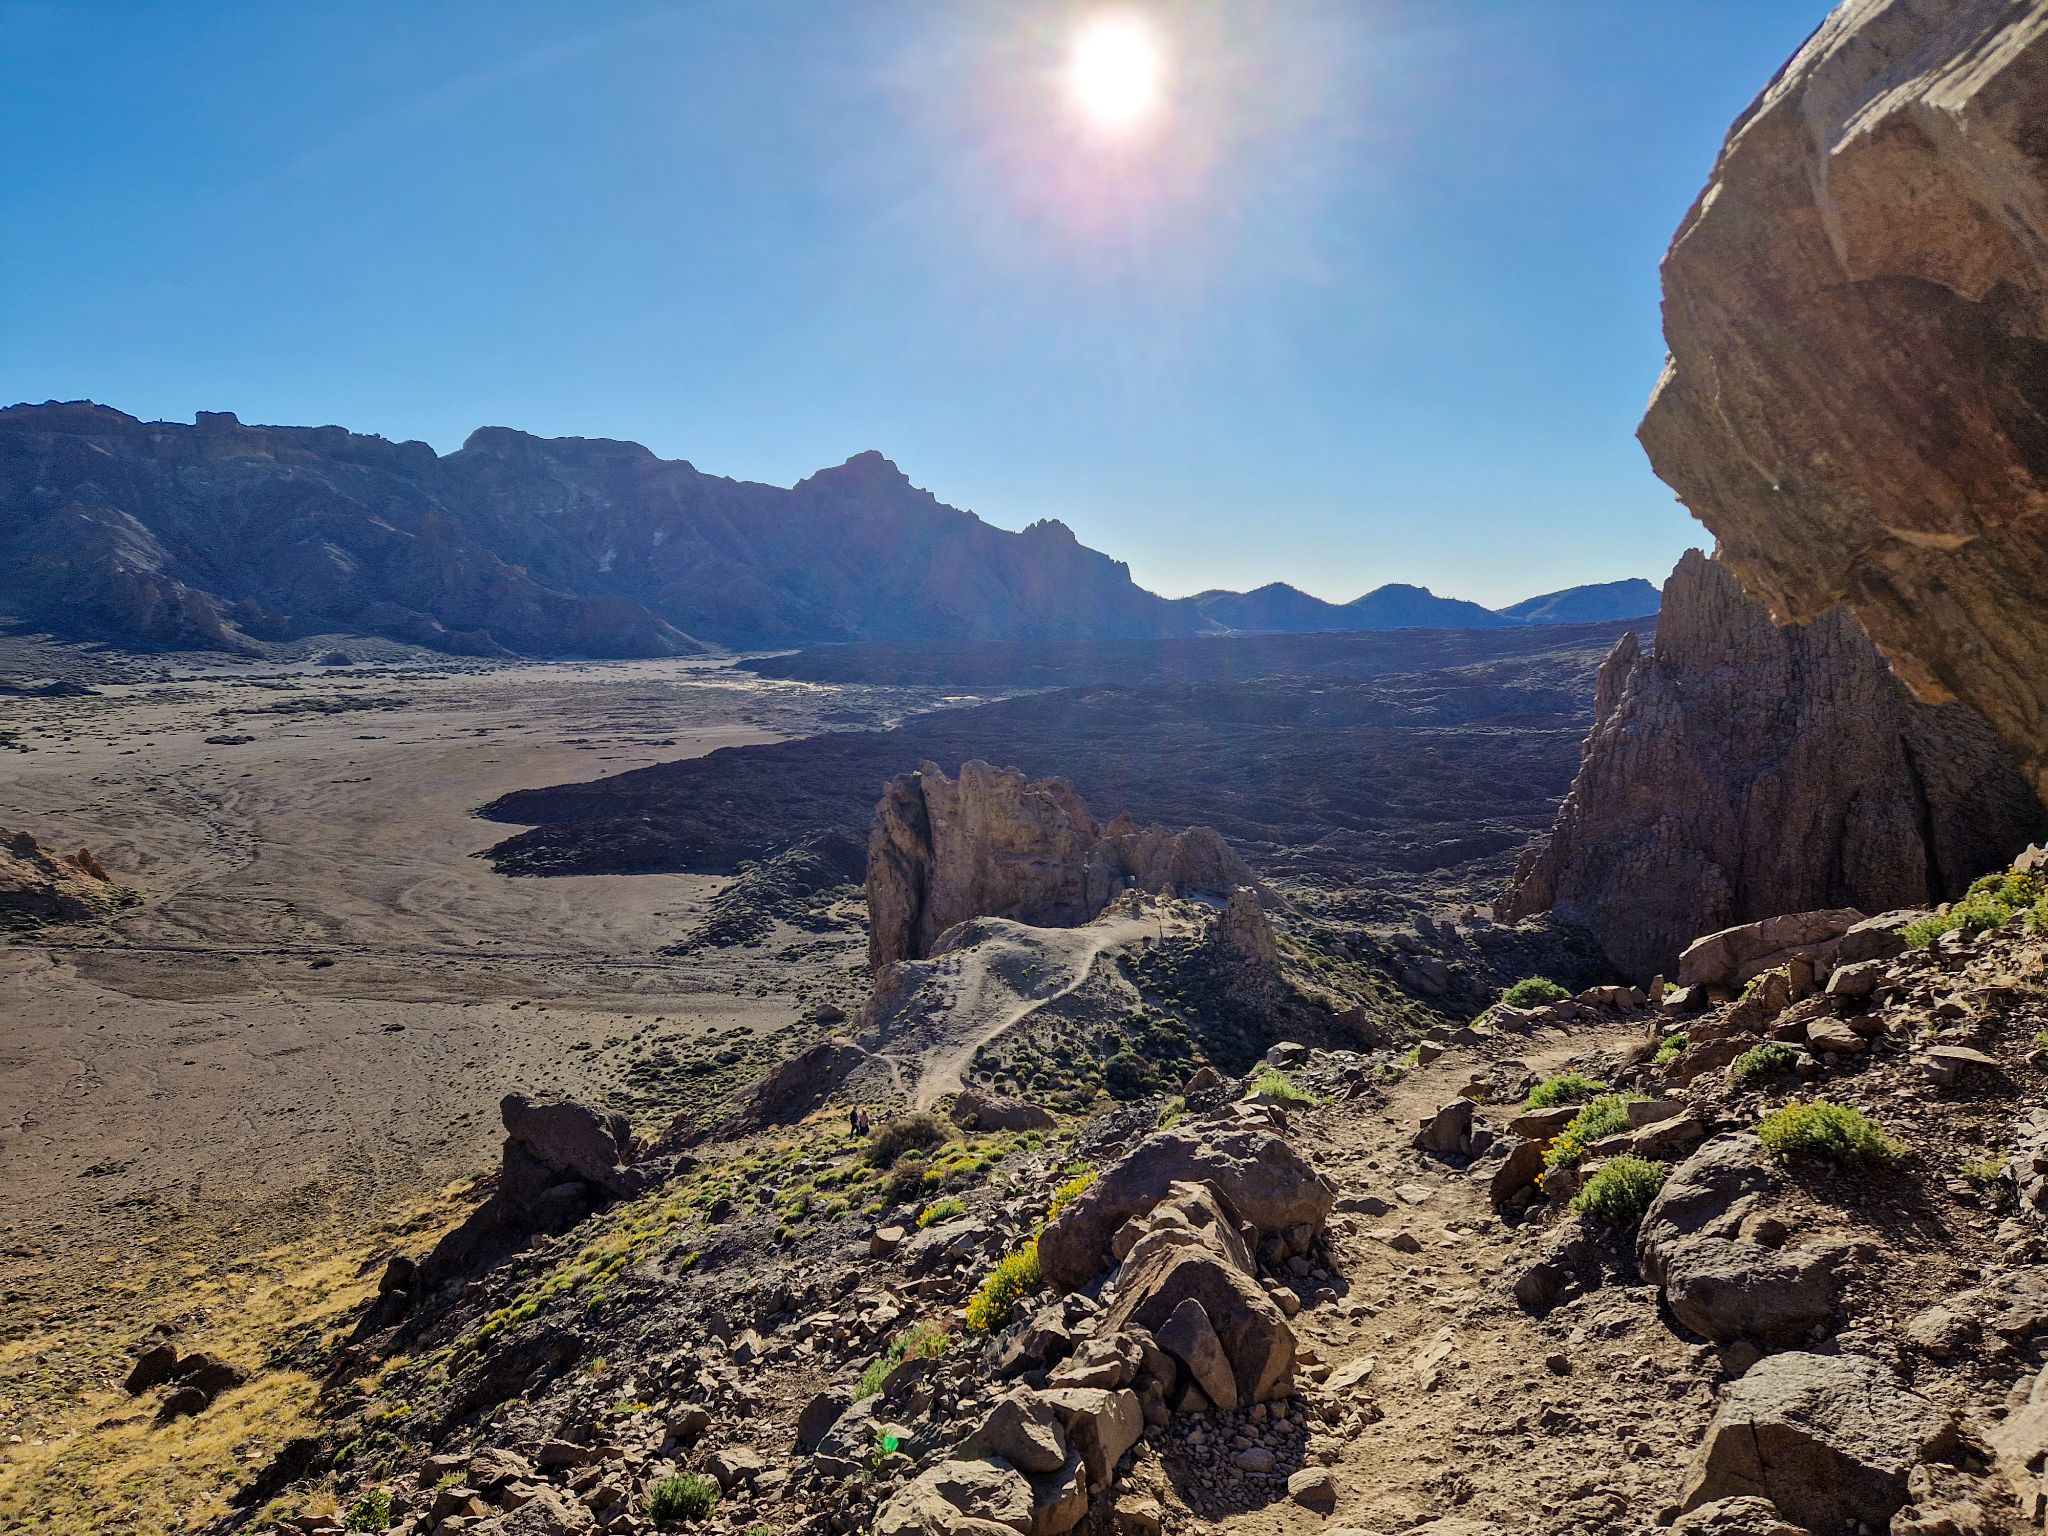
<point x="1533" y="992"/>
<point x="995" y="1300"/>
<point x="1990" y="902"/>
<point x="923" y="1342"/>
<point x="1669" y="1050"/>
<point x="1762" y="1061"/>
<point x="1566" y="1088"/>
<point x="371" y="1512"/>
<point x="1620" y="1190"/>
<point x="688" y="1496"/>
<point x="1275" y="1084"/>
<point x="1988" y="1169"/>
<point x="1836" y="1133"/>
<point x="1603" y="1117"/>
<point x="937" y="1211"/>
<point x="921" y="1132"/>
<point x="1067" y="1192"/>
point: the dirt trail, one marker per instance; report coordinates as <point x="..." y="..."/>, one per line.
<point x="1461" y="1414"/>
<point x="996" y="984"/>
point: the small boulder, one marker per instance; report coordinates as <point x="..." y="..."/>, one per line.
<point x="1188" y="1336"/>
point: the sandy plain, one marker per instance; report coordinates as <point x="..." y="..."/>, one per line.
<point x="302" y="1029"/>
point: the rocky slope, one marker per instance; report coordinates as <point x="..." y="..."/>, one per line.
<point x="1736" y="770"/>
<point x="994" y="844"/>
<point x="1857" y="311"/>
<point x="156" y="534"/>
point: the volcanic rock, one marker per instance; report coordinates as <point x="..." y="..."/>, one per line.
<point x="1856" y="308"/>
<point x="995" y="844"/>
<point x="1852" y="795"/>
<point x="1829" y="1439"/>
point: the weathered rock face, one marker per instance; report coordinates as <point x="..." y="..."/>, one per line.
<point x="995" y="844"/>
<point x="1857" y="310"/>
<point x="1737" y="770"/>
<point x="39" y="885"/>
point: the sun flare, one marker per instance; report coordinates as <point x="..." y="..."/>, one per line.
<point x="1116" y="72"/>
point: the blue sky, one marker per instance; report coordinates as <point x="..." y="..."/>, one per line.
<point x="1374" y="299"/>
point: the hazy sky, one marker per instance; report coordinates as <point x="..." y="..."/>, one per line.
<point x="1369" y="294"/>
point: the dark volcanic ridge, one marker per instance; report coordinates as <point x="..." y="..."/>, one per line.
<point x="1305" y="775"/>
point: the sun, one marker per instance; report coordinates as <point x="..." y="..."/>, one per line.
<point x="1116" y="72"/>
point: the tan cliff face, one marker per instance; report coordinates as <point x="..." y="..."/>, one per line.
<point x="995" y="844"/>
<point x="1737" y="770"/>
<point x="1857" y="311"/>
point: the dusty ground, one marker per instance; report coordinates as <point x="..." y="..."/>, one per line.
<point x="306" y="1024"/>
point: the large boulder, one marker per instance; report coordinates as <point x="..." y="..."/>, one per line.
<point x="958" y="1498"/>
<point x="976" y="1109"/>
<point x="1853" y="794"/>
<point x="1263" y="1181"/>
<point x="550" y="1139"/>
<point x="1185" y="1251"/>
<point x="1856" y="308"/>
<point x="1830" y="1440"/>
<point x="993" y="843"/>
<point x="1718" y="1283"/>
<point x="1731" y="956"/>
<point x="40" y="885"/>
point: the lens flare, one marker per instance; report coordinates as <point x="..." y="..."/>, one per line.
<point x="1116" y="72"/>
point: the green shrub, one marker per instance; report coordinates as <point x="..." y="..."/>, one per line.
<point x="1068" y="1192"/>
<point x="1568" y="1088"/>
<point x="1604" y="1116"/>
<point x="1988" y="1169"/>
<point x="923" y="1342"/>
<point x="1620" y="1190"/>
<point x="371" y="1512"/>
<point x="1838" y="1133"/>
<point x="939" y="1210"/>
<point x="1170" y="1113"/>
<point x="1762" y="1061"/>
<point x="995" y="1300"/>
<point x="1669" y="1051"/>
<point x="687" y="1496"/>
<point x="1127" y="1075"/>
<point x="1533" y="992"/>
<point x="906" y="1179"/>
<point x="1275" y="1084"/>
<point x="1990" y="902"/>
<point x="920" y="1132"/>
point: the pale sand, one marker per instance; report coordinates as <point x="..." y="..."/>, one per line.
<point x="223" y="1067"/>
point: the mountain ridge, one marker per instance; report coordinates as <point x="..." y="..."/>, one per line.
<point x="226" y="535"/>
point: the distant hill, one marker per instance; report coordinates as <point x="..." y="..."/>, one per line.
<point x="1281" y="609"/>
<point x="159" y="534"/>
<point x="1589" y="604"/>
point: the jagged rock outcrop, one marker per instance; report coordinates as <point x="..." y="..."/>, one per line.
<point x="1857" y="311"/>
<point x="39" y="885"/>
<point x="1737" y="770"/>
<point x="993" y="843"/>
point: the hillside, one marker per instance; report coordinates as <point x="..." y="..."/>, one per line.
<point x="1278" y="608"/>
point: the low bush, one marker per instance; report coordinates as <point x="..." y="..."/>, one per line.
<point x="1275" y="1084"/>
<point x="371" y="1512"/>
<point x="1067" y="1192"/>
<point x="1836" y="1133"/>
<point x="690" y="1496"/>
<point x="1603" y="1117"/>
<point x="1620" y="1190"/>
<point x="939" y="1210"/>
<point x="1567" y="1088"/>
<point x="1670" y="1050"/>
<point x="920" y="1132"/>
<point x="923" y="1342"/>
<point x="995" y="1300"/>
<point x="1533" y="992"/>
<point x="1990" y="902"/>
<point x="1762" y="1060"/>
<point x="1988" y="1169"/>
